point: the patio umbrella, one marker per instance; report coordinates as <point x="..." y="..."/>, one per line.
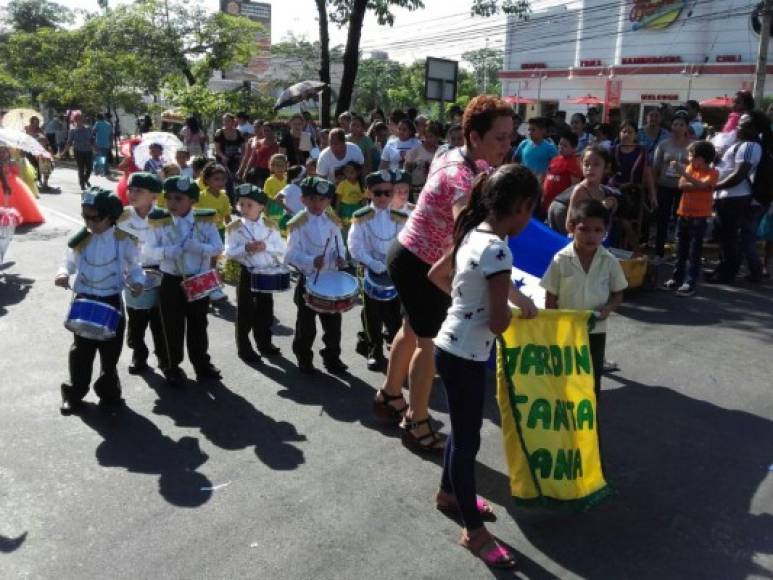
<point x="20" y="118"/>
<point x="719" y="102"/>
<point x="586" y="100"/>
<point x="298" y="93"/>
<point x="518" y="100"/>
<point x="18" y="139"/>
<point x="168" y="141"/>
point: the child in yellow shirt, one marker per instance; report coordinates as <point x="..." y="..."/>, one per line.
<point x="349" y="193"/>
<point x="213" y="196"/>
<point x="274" y="184"/>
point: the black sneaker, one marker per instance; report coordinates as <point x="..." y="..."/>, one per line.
<point x="336" y="366"/>
<point x="174" y="377"/>
<point x="209" y="371"/>
<point x="670" y="285"/>
<point x="685" y="290"/>
<point x="307" y="368"/>
<point x="139" y="367"/>
<point x="250" y="357"/>
<point x="376" y="363"/>
<point x="270" y="350"/>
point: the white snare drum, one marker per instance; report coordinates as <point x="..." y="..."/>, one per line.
<point x="92" y="319"/>
<point x="332" y="293"/>
<point x="273" y="279"/>
<point x="149" y="297"/>
<point x="378" y="286"/>
<point x="201" y="285"/>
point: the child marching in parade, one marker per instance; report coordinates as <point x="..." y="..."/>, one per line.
<point x="142" y="189"/>
<point x="253" y="241"/>
<point x="315" y="244"/>
<point x="184" y="241"/>
<point x="103" y="260"/>
<point x="373" y="230"/>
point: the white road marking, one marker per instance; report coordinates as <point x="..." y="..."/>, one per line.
<point x="62" y="215"/>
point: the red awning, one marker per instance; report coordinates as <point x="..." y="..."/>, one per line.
<point x="516" y="100"/>
<point x="726" y="102"/>
<point x="586" y="100"/>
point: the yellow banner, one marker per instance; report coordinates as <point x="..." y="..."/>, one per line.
<point x="548" y="409"/>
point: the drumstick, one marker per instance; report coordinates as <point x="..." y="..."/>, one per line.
<point x="324" y="253"/>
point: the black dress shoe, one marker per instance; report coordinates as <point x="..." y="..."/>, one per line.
<point x="110" y="405"/>
<point x="139" y="367"/>
<point x="250" y="357"/>
<point x="69" y="407"/>
<point x="270" y="350"/>
<point x="208" y="372"/>
<point x="307" y="368"/>
<point x="376" y="363"/>
<point x="174" y="377"/>
<point x="362" y="348"/>
<point x="336" y="366"/>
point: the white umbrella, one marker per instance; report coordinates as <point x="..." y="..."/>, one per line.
<point x="20" y="118"/>
<point x="168" y="141"/>
<point x="20" y="140"/>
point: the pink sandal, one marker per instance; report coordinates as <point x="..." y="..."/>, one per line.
<point x="451" y="507"/>
<point x="487" y="548"/>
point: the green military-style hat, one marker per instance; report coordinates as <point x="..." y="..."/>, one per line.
<point x="379" y="177"/>
<point x="318" y="186"/>
<point x="252" y="192"/>
<point x="178" y="184"/>
<point x="102" y="200"/>
<point x="146" y="180"/>
<point x="401" y="176"/>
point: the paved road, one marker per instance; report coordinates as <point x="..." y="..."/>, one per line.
<point x="269" y="474"/>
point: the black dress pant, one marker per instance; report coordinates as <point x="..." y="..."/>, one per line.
<point x="81" y="360"/>
<point x="254" y="312"/>
<point x="306" y="330"/>
<point x="84" y="161"/>
<point x="138" y="322"/>
<point x="183" y="322"/>
<point x="376" y="316"/>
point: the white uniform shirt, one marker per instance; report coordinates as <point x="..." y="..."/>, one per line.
<point x="198" y="240"/>
<point x="307" y="240"/>
<point x="370" y="239"/>
<point x="239" y="234"/>
<point x="292" y="194"/>
<point x="131" y="223"/>
<point x="103" y="265"/>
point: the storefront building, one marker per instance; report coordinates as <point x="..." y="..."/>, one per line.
<point x="632" y="55"/>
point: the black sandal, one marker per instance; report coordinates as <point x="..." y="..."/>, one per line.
<point x="426" y="443"/>
<point x="386" y="412"/>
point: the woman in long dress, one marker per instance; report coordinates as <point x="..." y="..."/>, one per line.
<point x="16" y="193"/>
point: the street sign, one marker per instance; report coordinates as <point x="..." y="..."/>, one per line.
<point x="440" y="77"/>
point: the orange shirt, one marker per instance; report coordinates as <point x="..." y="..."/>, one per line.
<point x="698" y="203"/>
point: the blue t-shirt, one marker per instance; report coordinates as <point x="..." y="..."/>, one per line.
<point x="103" y="132"/>
<point x="536" y="157"/>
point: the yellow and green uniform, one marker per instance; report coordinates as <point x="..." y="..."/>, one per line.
<point x="350" y="196"/>
<point x="272" y="187"/>
<point x="220" y="203"/>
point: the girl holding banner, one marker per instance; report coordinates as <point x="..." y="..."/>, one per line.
<point x="476" y="274"/>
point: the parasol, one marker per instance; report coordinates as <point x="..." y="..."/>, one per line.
<point x="719" y="102"/>
<point x="18" y="139"/>
<point x="19" y="118"/>
<point x="298" y="93"/>
<point x="168" y="141"/>
<point x="518" y="100"/>
<point x="586" y="100"/>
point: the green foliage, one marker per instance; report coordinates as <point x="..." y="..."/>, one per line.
<point x="341" y="10"/>
<point x="304" y="56"/>
<point x="32" y="15"/>
<point x="485" y="63"/>
<point x="375" y="79"/>
<point x="520" y="8"/>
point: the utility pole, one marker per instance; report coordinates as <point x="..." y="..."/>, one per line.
<point x="485" y="68"/>
<point x="762" y="52"/>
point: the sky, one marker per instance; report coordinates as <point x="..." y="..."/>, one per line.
<point x="299" y="18"/>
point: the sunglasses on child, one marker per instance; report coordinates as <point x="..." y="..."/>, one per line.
<point x="93" y="217"/>
<point x="382" y="192"/>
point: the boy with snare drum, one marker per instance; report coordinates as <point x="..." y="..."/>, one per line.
<point x="103" y="259"/>
<point x="314" y="245"/>
<point x="184" y="240"/>
<point x="254" y="241"/>
<point x="142" y="189"/>
<point x="373" y="230"/>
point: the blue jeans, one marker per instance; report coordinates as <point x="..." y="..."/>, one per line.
<point x="465" y="384"/>
<point x="689" y="247"/>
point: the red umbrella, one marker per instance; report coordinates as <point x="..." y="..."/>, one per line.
<point x="586" y="100"/>
<point x="726" y="102"/>
<point x="518" y="100"/>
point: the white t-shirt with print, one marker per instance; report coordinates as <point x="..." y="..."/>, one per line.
<point x="744" y="152"/>
<point x="465" y="332"/>
<point x="328" y="162"/>
<point x="396" y="150"/>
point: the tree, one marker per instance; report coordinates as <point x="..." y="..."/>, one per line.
<point x="520" y="8"/>
<point x="374" y="79"/>
<point x="32" y="15"/>
<point x="486" y="64"/>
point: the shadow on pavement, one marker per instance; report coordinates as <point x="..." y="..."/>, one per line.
<point x="135" y="443"/>
<point x="13" y="289"/>
<point x="229" y="421"/>
<point x="8" y="545"/>
<point x="685" y="472"/>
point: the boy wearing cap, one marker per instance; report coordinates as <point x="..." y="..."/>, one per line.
<point x="254" y="241"/>
<point x="103" y="259"/>
<point x="156" y="162"/>
<point x="183" y="240"/>
<point x="314" y="244"/>
<point x="373" y="230"/>
<point x="142" y="189"/>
